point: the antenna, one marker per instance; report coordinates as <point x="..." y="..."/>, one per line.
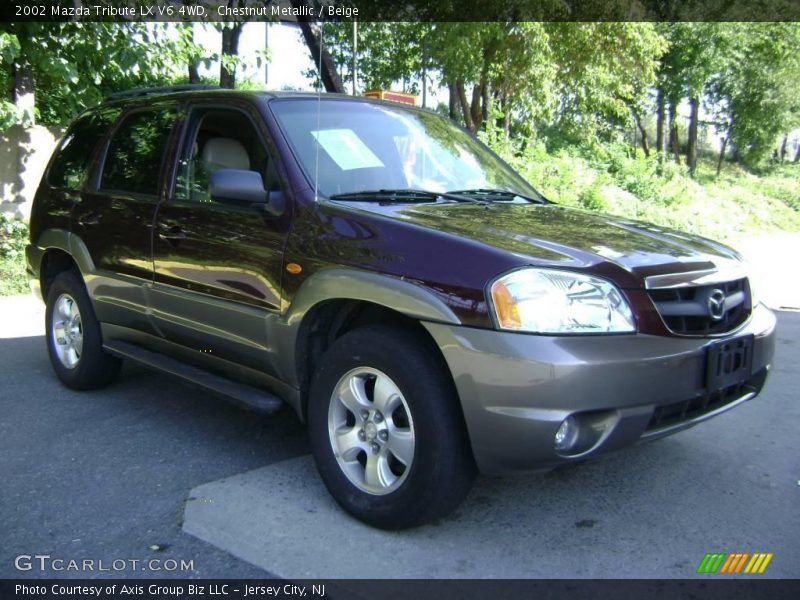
<point x="319" y="102"/>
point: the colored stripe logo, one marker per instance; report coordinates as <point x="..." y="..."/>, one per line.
<point x="735" y="562"/>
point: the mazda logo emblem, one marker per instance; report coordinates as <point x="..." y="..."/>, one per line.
<point x="716" y="304"/>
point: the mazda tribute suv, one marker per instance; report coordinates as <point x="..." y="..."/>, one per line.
<point x="418" y="304"/>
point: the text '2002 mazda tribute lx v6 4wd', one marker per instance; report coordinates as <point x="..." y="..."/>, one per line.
<point x="378" y="269"/>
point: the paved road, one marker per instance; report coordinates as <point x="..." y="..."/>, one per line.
<point x="107" y="474"/>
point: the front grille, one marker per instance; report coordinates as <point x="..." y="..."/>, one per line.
<point x="685" y="310"/>
<point x="687" y="410"/>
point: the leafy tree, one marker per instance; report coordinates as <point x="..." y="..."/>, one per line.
<point x="603" y="71"/>
<point x="71" y="65"/>
<point x="753" y="93"/>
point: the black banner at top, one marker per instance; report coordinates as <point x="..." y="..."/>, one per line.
<point x="400" y="10"/>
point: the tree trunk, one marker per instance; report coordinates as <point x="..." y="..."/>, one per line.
<point x="22" y="87"/>
<point x="192" y="65"/>
<point x="424" y="72"/>
<point x="507" y="116"/>
<point x="355" y="62"/>
<point x="691" y="142"/>
<point x="230" y="47"/>
<point x="673" y="133"/>
<point x="453" y="101"/>
<point x="194" y="75"/>
<point x="722" y="152"/>
<point x="486" y="101"/>
<point x="313" y="36"/>
<point x="462" y="99"/>
<point x="783" y="146"/>
<point x="642" y="130"/>
<point x="797" y="154"/>
<point x="475" y="106"/>
<point x="660" y="118"/>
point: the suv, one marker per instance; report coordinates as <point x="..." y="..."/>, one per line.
<point x="424" y="309"/>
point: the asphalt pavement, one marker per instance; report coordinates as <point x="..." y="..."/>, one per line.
<point x="112" y="475"/>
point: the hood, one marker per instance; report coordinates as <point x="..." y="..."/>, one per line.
<point x="556" y="236"/>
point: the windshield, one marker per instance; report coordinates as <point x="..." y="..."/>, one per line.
<point x="363" y="146"/>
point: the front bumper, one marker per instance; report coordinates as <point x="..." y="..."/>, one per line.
<point x="516" y="389"/>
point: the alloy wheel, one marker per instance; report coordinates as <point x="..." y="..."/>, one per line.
<point x="371" y="431"/>
<point x="66" y="330"/>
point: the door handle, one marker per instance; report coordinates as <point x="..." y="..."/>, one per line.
<point x="171" y="234"/>
<point x="89" y="219"/>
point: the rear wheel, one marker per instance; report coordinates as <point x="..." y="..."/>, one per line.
<point x="386" y="429"/>
<point x="74" y="341"/>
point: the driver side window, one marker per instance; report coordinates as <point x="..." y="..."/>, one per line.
<point x="220" y="139"/>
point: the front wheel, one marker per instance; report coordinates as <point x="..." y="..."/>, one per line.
<point x="386" y="429"/>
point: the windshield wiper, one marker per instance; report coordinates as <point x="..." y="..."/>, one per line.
<point x="399" y="195"/>
<point x="499" y="195"/>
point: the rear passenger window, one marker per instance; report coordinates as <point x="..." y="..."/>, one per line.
<point x="77" y="148"/>
<point x="133" y="160"/>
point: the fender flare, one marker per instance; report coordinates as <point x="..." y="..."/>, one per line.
<point x="70" y="243"/>
<point x="395" y="293"/>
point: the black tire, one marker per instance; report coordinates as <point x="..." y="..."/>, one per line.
<point x="442" y="469"/>
<point x="94" y="368"/>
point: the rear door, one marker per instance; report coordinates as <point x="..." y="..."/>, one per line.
<point x="66" y="175"/>
<point x="218" y="264"/>
<point x="114" y="217"/>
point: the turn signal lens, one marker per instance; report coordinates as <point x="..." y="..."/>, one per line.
<point x="507" y="312"/>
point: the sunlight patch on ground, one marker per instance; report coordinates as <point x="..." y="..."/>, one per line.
<point x="21" y="316"/>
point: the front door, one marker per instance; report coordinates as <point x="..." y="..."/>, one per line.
<point x="218" y="263"/>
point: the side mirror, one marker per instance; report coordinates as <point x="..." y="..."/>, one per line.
<point x="237" y="185"/>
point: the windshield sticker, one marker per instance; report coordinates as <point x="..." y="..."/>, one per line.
<point x="346" y="149"/>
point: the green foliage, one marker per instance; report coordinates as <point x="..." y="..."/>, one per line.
<point x="591" y="197"/>
<point x="9" y="49"/>
<point x="75" y="64"/>
<point x="13" y="238"/>
<point x="580" y="76"/>
<point x="602" y="70"/>
<point x="612" y="178"/>
<point x="746" y="74"/>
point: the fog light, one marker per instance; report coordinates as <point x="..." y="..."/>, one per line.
<point x="567" y="434"/>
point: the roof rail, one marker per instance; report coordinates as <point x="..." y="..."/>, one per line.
<point x="167" y="89"/>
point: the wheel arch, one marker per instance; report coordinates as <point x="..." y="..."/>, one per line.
<point x="333" y="302"/>
<point x="60" y="251"/>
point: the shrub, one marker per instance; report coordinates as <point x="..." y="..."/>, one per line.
<point x="13" y="238"/>
<point x="591" y="197"/>
<point x="617" y="179"/>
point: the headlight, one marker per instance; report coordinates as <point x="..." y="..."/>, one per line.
<point x="550" y="301"/>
